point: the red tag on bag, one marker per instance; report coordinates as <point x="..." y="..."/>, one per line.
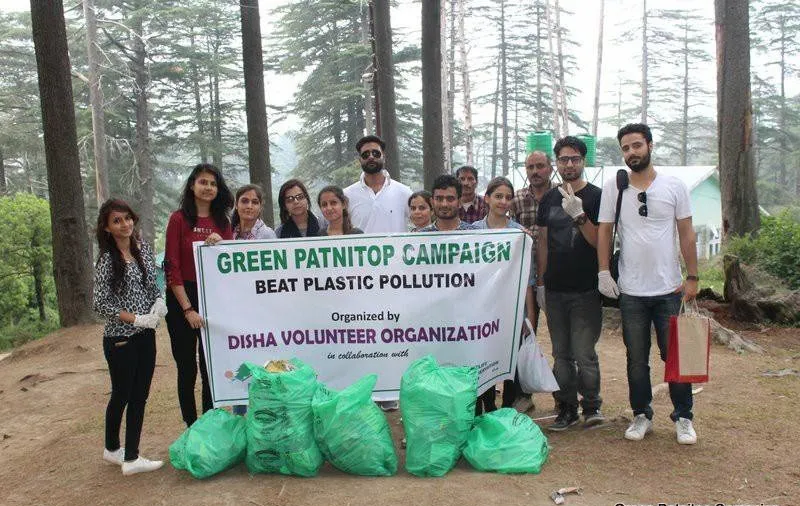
<point x="688" y="349"/>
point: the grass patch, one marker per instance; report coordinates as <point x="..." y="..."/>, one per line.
<point x="26" y="330"/>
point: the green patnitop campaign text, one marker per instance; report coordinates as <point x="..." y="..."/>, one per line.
<point x="362" y="256"/>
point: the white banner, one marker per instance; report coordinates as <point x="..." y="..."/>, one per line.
<point x="361" y="304"/>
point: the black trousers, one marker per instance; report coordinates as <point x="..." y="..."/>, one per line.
<point x="131" y="362"/>
<point x="186" y="347"/>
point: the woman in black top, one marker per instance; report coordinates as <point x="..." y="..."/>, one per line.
<point x="297" y="220"/>
<point x="126" y="294"/>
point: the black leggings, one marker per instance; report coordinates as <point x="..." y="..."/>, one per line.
<point x="186" y="347"/>
<point x="131" y="362"/>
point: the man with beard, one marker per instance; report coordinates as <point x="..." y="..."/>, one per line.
<point x="378" y="204"/>
<point x="654" y="207"/>
<point x="472" y="208"/>
<point x="539" y="168"/>
<point x="566" y="285"/>
<point x="446" y="193"/>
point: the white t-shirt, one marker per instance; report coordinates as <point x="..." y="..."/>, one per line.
<point x="649" y="264"/>
<point x="382" y="212"/>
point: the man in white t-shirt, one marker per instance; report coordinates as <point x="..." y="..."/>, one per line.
<point x="655" y="216"/>
<point x="377" y="203"/>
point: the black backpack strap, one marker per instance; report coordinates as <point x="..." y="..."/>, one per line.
<point x="622" y="185"/>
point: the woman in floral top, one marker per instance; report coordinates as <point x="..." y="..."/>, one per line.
<point x="126" y="294"/>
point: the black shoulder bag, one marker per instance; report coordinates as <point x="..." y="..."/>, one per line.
<point x="613" y="264"/>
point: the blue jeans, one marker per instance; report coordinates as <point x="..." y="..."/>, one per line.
<point x="638" y="313"/>
<point x="575" y="321"/>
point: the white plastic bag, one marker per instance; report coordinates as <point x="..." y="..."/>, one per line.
<point x="535" y="374"/>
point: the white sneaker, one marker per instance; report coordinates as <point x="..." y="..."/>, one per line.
<point x="639" y="428"/>
<point x="686" y="433"/>
<point x="523" y="404"/>
<point x="388" y="405"/>
<point x="140" y="465"/>
<point x="116" y="457"/>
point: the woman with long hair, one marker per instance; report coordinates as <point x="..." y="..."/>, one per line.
<point x="205" y="204"/>
<point x="297" y="220"/>
<point x="499" y="196"/>
<point x="126" y="294"/>
<point x="246" y="220"/>
<point x="333" y="204"/>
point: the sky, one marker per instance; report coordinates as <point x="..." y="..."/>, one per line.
<point x="620" y="60"/>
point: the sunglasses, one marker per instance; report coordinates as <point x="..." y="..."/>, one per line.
<point x="295" y="198"/>
<point x="374" y="152"/>
<point x="642" y="196"/>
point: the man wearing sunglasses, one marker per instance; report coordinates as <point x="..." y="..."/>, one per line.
<point x="378" y="204"/>
<point x="655" y="216"/>
<point x="567" y="285"/>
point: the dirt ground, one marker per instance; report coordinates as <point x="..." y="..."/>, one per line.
<point x="53" y="394"/>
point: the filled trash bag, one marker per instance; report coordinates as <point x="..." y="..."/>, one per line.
<point x="214" y="443"/>
<point x="352" y="432"/>
<point x="506" y="441"/>
<point x="438" y="407"/>
<point x="280" y="429"/>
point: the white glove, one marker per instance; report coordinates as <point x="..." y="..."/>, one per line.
<point x="607" y="285"/>
<point x="572" y="205"/>
<point x="540" y="296"/>
<point x="159" y="308"/>
<point x="146" y="321"/>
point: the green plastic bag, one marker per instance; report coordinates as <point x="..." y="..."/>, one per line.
<point x="352" y="432"/>
<point x="438" y="407"/>
<point x="214" y="443"/>
<point x="506" y="442"/>
<point x="280" y="429"/>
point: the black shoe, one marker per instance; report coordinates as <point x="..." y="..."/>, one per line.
<point x="566" y="419"/>
<point x="593" y="418"/>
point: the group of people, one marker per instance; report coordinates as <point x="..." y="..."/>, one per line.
<point x="571" y="225"/>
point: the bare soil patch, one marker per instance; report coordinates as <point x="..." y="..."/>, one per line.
<point x="53" y="394"/>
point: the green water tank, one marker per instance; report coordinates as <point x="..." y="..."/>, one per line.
<point x="591" y="148"/>
<point x="540" y="141"/>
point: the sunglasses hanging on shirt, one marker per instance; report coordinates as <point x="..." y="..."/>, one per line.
<point x="643" y="199"/>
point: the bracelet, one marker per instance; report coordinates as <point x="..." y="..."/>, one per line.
<point x="190" y="308"/>
<point x="692" y="278"/>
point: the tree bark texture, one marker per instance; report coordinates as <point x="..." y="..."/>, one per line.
<point x="96" y="99"/>
<point x="432" y="156"/>
<point x="385" y="85"/>
<point x="255" y="104"/>
<point x="145" y="190"/>
<point x="735" y="119"/>
<point x="3" y="187"/>
<point x="465" y="86"/>
<point x="599" y="71"/>
<point x="71" y="259"/>
<point x="451" y="84"/>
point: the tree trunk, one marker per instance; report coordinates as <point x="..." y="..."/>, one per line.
<point x="645" y="62"/>
<point x="504" y="84"/>
<point x="255" y="104"/>
<point x="37" y="272"/>
<point x="562" y="88"/>
<point x="368" y="79"/>
<point x="144" y="156"/>
<point x="451" y="84"/>
<point x="198" y="104"/>
<point x="782" y="148"/>
<point x="539" y="101"/>
<point x="3" y="187"/>
<point x="494" y="123"/>
<point x="598" y="73"/>
<point x="684" y="147"/>
<point x="217" y="125"/>
<point x="465" y="86"/>
<point x="445" y="73"/>
<point x="96" y="99"/>
<point x="553" y="77"/>
<point x="384" y="73"/>
<point x="734" y="119"/>
<point x="71" y="261"/>
<point x="432" y="158"/>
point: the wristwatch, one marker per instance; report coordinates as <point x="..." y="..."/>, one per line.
<point x="692" y="278"/>
<point x="580" y="220"/>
